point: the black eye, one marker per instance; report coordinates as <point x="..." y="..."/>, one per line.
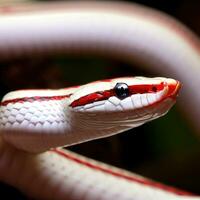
<point x="121" y="90"/>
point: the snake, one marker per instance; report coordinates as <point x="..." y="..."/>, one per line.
<point x="36" y="124"/>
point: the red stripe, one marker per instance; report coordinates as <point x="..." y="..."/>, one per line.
<point x="97" y="96"/>
<point x="120" y="175"/>
<point x="106" y="94"/>
<point x="32" y="99"/>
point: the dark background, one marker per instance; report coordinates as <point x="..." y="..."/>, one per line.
<point x="166" y="149"/>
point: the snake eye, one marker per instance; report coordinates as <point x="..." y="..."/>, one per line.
<point x="121" y="90"/>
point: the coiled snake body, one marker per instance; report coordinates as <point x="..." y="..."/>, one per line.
<point x="34" y="121"/>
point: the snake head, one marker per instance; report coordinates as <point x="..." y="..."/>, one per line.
<point x="124" y="94"/>
<point x="119" y="104"/>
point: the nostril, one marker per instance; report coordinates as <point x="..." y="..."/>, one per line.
<point x="154" y="89"/>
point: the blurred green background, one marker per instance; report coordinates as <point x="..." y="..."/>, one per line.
<point x="166" y="149"/>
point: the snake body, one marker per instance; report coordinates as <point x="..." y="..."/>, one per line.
<point x="37" y="120"/>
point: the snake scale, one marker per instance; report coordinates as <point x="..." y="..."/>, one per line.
<point x="34" y="122"/>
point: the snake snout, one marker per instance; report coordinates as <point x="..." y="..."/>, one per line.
<point x="173" y="88"/>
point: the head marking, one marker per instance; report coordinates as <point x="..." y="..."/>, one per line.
<point x="120" y="90"/>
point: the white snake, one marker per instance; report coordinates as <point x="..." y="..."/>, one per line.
<point x="37" y="120"/>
